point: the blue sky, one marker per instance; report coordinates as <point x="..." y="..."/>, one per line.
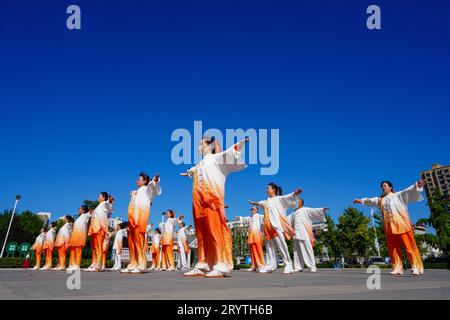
<point x="85" y="111"/>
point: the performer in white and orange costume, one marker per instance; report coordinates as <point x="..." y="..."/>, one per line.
<point x="62" y="242"/>
<point x="255" y="238"/>
<point x="78" y="237"/>
<point x="215" y="257"/>
<point x="99" y="229"/>
<point x="119" y="233"/>
<point x="277" y="228"/>
<point x="38" y="248"/>
<point x="183" y="246"/>
<point x="156" y="250"/>
<point x="138" y="215"/>
<point x="167" y="240"/>
<point x="398" y="227"/>
<point x="48" y="246"/>
<point x="302" y="220"/>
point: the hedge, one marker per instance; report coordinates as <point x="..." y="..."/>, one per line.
<point x="17" y="263"/>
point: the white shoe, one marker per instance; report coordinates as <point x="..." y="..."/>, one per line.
<point x="194" y="273"/>
<point x="263" y="270"/>
<point x="35" y="268"/>
<point x="298" y="270"/>
<point x="288" y="271"/>
<point x="215" y="274"/>
<point x="397" y="272"/>
<point x="416" y="272"/>
<point x="70" y="268"/>
<point x="91" y="269"/>
<point x="313" y="270"/>
<point x="136" y="271"/>
<point x="45" y="268"/>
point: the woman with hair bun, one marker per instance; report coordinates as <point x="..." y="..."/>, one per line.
<point x="277" y="228"/>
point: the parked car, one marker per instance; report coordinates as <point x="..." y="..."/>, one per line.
<point x="375" y="260"/>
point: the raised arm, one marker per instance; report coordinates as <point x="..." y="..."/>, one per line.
<point x="316" y="214"/>
<point x="230" y="159"/>
<point x="154" y="186"/>
<point x="370" y="202"/>
<point x="290" y="200"/>
<point x="413" y="193"/>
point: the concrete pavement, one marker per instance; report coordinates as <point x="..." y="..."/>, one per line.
<point x="325" y="284"/>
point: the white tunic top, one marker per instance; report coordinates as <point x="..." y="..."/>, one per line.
<point x="212" y="171"/>
<point x="255" y="222"/>
<point x="277" y="207"/>
<point x="395" y="210"/>
<point x="303" y="219"/>
<point x="120" y="234"/>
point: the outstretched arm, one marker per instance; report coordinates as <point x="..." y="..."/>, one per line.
<point x="413" y="193"/>
<point x="291" y="200"/>
<point x="370" y="202"/>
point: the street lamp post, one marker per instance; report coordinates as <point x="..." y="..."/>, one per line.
<point x="18" y="197"/>
<point x="377" y="244"/>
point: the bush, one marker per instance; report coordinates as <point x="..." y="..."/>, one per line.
<point x="17" y="263"/>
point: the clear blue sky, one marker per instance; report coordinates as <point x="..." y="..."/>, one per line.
<point x="85" y="111"/>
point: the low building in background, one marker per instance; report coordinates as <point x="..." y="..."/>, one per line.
<point x="45" y="217"/>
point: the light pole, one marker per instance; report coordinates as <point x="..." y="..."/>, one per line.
<point x="377" y="245"/>
<point x="18" y="197"/>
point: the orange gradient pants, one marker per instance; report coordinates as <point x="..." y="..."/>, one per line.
<point x="255" y="244"/>
<point x="213" y="236"/>
<point x="75" y="256"/>
<point x="48" y="257"/>
<point x="155" y="258"/>
<point x="62" y="254"/>
<point x="395" y="242"/>
<point x="38" y="255"/>
<point x="97" y="248"/>
<point x="136" y="247"/>
<point x="168" y="260"/>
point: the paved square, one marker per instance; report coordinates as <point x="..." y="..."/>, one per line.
<point x="325" y="284"/>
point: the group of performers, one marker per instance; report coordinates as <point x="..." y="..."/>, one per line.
<point x="272" y="226"/>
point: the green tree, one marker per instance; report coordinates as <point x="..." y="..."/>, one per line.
<point x="24" y="228"/>
<point x="91" y="203"/>
<point x="439" y="220"/>
<point x="354" y="233"/>
<point x="330" y="239"/>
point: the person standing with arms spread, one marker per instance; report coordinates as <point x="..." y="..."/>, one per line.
<point x="302" y="221"/>
<point x="215" y="258"/>
<point x="277" y="228"/>
<point x="397" y="224"/>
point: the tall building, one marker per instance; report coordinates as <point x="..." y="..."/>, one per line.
<point x="438" y="178"/>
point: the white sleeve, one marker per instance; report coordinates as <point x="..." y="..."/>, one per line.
<point x="411" y="194"/>
<point x="155" y="188"/>
<point x="289" y="201"/>
<point x="371" y="202"/>
<point x="316" y="214"/>
<point x="231" y="160"/>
